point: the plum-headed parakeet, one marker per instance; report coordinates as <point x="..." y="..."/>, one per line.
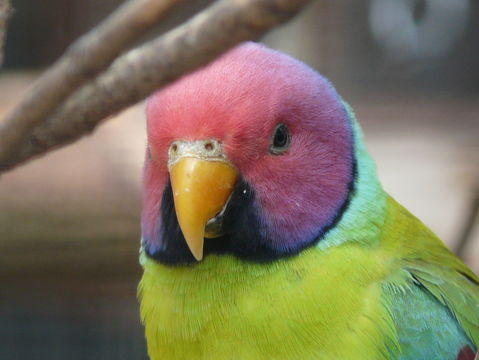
<point x="266" y="234"/>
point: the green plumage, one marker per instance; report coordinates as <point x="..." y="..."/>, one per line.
<point x="380" y="285"/>
<point x="432" y="295"/>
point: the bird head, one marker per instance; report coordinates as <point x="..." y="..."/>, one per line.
<point x="252" y="155"/>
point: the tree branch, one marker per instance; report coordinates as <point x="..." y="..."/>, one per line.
<point x="141" y="71"/>
<point x="4" y="15"/>
<point x="83" y="60"/>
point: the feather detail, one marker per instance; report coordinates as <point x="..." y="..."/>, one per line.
<point x="312" y="306"/>
<point x="437" y="286"/>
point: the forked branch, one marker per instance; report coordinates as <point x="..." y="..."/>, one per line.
<point x="139" y="72"/>
<point x="82" y="61"/>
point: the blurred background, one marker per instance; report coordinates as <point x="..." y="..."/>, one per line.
<point x="69" y="222"/>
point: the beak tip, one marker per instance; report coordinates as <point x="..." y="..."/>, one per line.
<point x="195" y="244"/>
<point x="197" y="253"/>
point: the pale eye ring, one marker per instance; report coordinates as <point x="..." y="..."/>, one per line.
<point x="280" y="140"/>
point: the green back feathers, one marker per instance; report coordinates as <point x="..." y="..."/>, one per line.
<point x="426" y="330"/>
<point x="415" y="255"/>
<point x="423" y="262"/>
<point x="454" y="287"/>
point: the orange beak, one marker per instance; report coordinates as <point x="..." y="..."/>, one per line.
<point x="201" y="188"/>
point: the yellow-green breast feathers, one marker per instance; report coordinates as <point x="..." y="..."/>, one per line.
<point x="321" y="304"/>
<point x="223" y="308"/>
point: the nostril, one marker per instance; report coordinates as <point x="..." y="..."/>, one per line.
<point x="174" y="147"/>
<point x="209" y="146"/>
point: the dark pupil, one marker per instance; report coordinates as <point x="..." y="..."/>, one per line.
<point x="280" y="137"/>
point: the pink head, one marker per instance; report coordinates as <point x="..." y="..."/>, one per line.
<point x="286" y="199"/>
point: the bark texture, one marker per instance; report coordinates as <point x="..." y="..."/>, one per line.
<point x="82" y="61"/>
<point x="138" y="73"/>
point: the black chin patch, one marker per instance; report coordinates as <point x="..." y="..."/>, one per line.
<point x="174" y="249"/>
<point x="240" y="225"/>
<point x="244" y="236"/>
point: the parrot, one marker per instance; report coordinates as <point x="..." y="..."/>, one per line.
<point x="266" y="233"/>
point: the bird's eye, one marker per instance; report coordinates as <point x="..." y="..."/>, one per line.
<point x="280" y="141"/>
